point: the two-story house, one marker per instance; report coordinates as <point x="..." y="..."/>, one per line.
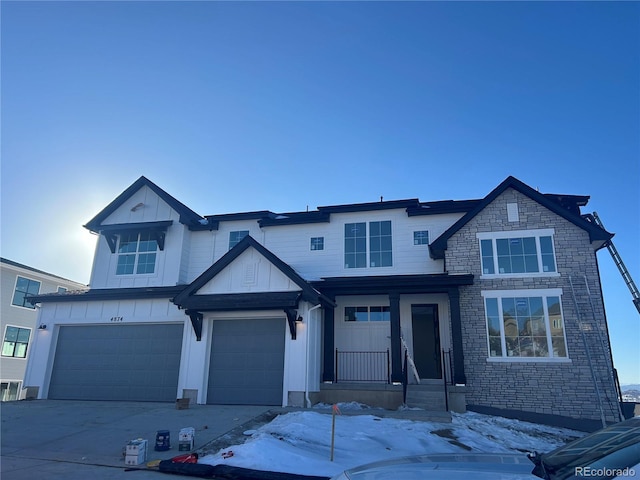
<point x="18" y="318"/>
<point x="492" y="296"/>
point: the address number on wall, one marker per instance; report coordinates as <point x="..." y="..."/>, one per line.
<point x="116" y="319"/>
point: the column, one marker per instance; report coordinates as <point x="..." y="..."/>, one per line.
<point x="328" y="363"/>
<point x="396" y="343"/>
<point x="456" y="329"/>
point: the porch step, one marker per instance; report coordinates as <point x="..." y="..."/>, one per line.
<point x="427" y="397"/>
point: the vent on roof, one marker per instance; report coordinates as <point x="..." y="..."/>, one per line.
<point x="251" y="274"/>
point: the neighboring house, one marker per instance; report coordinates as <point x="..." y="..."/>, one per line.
<point x="294" y="308"/>
<point x="18" y="318"/>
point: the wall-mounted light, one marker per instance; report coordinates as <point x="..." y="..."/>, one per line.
<point x="299" y="319"/>
<point x="42" y="327"/>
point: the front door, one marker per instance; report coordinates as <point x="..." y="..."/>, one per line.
<point x="426" y="340"/>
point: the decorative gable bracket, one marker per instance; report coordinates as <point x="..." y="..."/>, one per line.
<point x="158" y="231"/>
<point x="196" y="323"/>
<point x="292" y="317"/>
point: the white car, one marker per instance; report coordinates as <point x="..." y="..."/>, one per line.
<point x="613" y="452"/>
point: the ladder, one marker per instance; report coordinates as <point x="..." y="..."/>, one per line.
<point x="620" y="264"/>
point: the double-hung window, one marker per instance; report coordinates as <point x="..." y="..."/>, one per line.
<point x="136" y="253"/>
<point x="24" y="287"/>
<point x="525" y="324"/>
<point x="16" y="341"/>
<point x="379" y="253"/>
<point x="517" y="253"/>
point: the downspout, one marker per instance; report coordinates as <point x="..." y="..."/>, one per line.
<point x="306" y="366"/>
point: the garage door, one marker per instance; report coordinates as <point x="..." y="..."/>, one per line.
<point x="247" y="362"/>
<point x="117" y="362"/>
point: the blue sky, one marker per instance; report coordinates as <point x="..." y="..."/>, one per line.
<point x="235" y="106"/>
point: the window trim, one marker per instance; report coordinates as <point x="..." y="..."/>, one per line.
<point x="136" y="254"/>
<point x="368" y="321"/>
<point x="507" y="234"/>
<point x="420" y="232"/>
<point x="18" y="390"/>
<point x="15" y="287"/>
<point x="319" y="244"/>
<point x="367" y="245"/>
<point x="246" y="234"/>
<point x="4" y="339"/>
<point x="544" y="293"/>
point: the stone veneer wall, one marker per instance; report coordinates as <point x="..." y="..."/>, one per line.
<point x="546" y="388"/>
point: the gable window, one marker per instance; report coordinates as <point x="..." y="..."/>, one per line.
<point x="317" y="243"/>
<point x="517" y="253"/>
<point x="236" y="236"/>
<point x="16" y="341"/>
<point x="367" y="314"/>
<point x="421" y="237"/>
<point x="24" y="287"/>
<point x="525" y="325"/>
<point x="380" y="245"/>
<point x="136" y="253"/>
<point x="62" y="290"/>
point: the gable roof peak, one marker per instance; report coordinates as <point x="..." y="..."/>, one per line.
<point x="596" y="234"/>
<point x="187" y="216"/>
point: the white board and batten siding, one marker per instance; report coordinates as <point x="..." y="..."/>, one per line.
<point x="250" y="272"/>
<point x="292" y="244"/>
<point x="168" y="261"/>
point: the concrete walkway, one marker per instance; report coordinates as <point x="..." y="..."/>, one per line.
<point x="79" y="440"/>
<point x="73" y="440"/>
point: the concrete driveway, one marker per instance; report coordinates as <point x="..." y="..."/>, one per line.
<point x="72" y="440"/>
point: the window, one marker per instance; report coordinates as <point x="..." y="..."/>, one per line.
<point x="235" y="237"/>
<point x="24" y="287"/>
<point x="517" y="253"/>
<point x="355" y="244"/>
<point x="136" y="253"/>
<point x="62" y="290"/>
<point x="380" y="244"/>
<point x="525" y="326"/>
<point x="421" y="237"/>
<point x="9" y="391"/>
<point x="317" y="243"/>
<point x="366" y="314"/>
<point x="16" y="341"/>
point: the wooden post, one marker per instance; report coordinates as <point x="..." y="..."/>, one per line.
<point x="335" y="410"/>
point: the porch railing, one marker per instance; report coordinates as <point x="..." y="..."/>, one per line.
<point x="363" y="367"/>
<point x="447" y="367"/>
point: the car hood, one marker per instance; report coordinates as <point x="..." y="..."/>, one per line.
<point x="446" y="466"/>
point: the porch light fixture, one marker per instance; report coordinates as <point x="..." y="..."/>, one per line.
<point x="299" y="319"/>
<point x="42" y="327"/>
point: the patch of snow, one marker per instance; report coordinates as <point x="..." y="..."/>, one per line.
<point x="300" y="442"/>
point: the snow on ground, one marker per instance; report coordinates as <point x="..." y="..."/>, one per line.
<point x="300" y="442"/>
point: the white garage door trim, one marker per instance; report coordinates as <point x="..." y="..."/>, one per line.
<point x="132" y="362"/>
<point x="247" y="362"/>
